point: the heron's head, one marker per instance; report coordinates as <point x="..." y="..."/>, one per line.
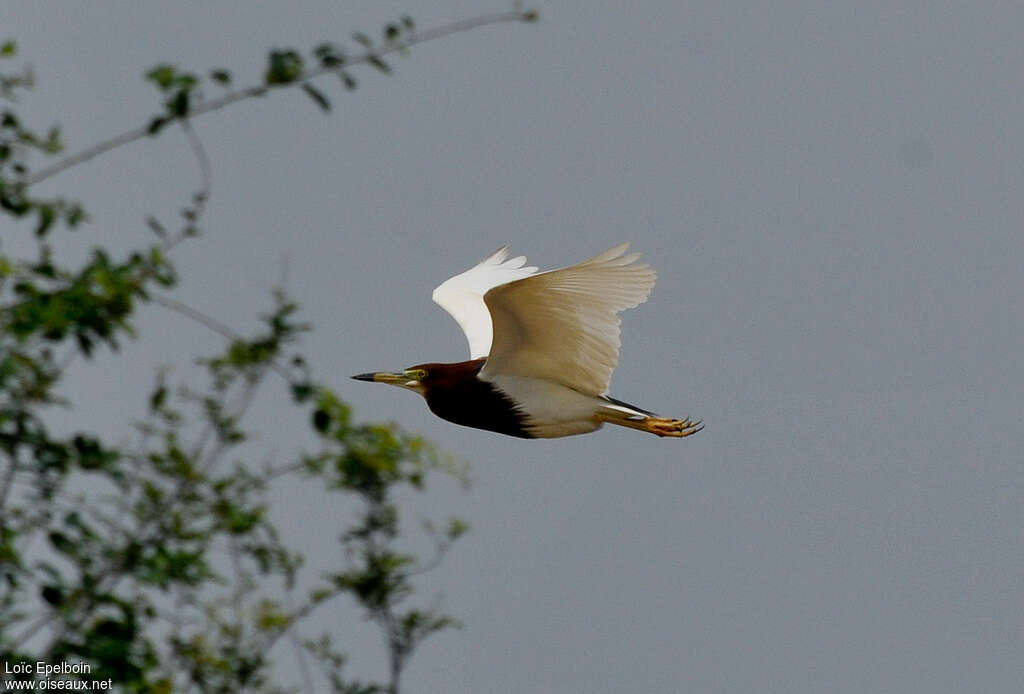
<point x="412" y="378"/>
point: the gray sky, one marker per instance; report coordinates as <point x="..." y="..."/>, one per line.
<point x="831" y="194"/>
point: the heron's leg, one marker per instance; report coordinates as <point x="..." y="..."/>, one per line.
<point x="659" y="426"/>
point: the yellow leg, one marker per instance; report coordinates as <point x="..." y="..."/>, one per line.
<point x="659" y="426"/>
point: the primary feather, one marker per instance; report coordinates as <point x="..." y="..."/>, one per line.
<point x="462" y="296"/>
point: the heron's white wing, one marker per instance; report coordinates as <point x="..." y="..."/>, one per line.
<point x="463" y="296"/>
<point x="563" y="325"/>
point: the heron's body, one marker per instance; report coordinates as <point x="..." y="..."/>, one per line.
<point x="554" y="410"/>
<point x="542" y="347"/>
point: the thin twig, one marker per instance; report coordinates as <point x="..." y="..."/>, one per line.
<point x="205" y="172"/>
<point x="189" y="312"/>
<point x="300" y="652"/>
<point x="213" y="324"/>
<point x="244" y="401"/>
<point x="259" y="90"/>
<point x="295" y="617"/>
<point x="441" y="547"/>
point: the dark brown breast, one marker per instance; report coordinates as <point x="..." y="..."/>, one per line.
<point x="456" y="393"/>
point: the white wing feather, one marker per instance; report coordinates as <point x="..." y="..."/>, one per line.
<point x="462" y="296"/>
<point x="563" y="325"/>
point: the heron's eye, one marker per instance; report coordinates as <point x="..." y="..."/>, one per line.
<point x="417" y="374"/>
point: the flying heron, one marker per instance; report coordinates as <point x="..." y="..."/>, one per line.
<point x="542" y="348"/>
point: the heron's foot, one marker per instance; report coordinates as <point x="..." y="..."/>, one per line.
<point x="662" y="426"/>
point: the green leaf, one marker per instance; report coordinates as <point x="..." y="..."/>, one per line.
<point x="53" y="595"/>
<point x="53" y="144"/>
<point x="221" y="77"/>
<point x="180" y="104"/>
<point x="456" y="528"/>
<point x="186" y="80"/>
<point x="74" y="215"/>
<point x="284" y="67"/>
<point x="158" y="397"/>
<point x="329" y="55"/>
<point x="61" y="543"/>
<point x="47" y="213"/>
<point x="8" y="48"/>
<point x="163" y="76"/>
<point x="302" y="391"/>
<point x="317" y="96"/>
<point x="348" y="80"/>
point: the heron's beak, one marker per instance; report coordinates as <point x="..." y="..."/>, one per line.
<point x="383" y="377"/>
<point x="402" y="380"/>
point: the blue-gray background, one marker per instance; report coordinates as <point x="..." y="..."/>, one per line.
<point x="832" y="195"/>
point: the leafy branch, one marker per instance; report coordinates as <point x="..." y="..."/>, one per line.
<point x="285" y="70"/>
<point x="158" y="563"/>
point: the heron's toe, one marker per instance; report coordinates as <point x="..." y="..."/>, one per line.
<point x="677" y="428"/>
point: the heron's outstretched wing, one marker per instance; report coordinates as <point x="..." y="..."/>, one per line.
<point x="563" y="325"/>
<point x="463" y="296"/>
